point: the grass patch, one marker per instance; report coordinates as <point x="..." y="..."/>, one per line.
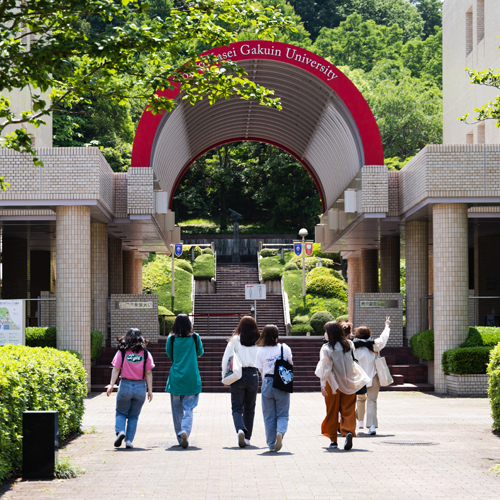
<point x="272" y="268"/>
<point x="65" y="469"/>
<point x="182" y="303"/>
<point x="496" y="469"/>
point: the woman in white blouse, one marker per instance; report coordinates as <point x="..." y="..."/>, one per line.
<point x="366" y="353"/>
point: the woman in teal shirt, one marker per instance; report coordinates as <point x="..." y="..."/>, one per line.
<point x="184" y="381"/>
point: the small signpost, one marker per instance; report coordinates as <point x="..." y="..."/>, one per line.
<point x="255" y="293"/>
<point x="12" y="322"/>
<point x="177" y="252"/>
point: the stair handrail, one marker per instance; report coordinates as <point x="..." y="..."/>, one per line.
<point x="215" y="272"/>
<point x="286" y="308"/>
<point x="193" y="295"/>
<point x="258" y="267"/>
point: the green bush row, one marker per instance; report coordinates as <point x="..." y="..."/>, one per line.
<point x="318" y="321"/>
<point x="301" y="329"/>
<point x="167" y="322"/>
<point x="204" y="266"/>
<point x="422" y="345"/>
<point x="482" y="336"/>
<point x="35" y="378"/>
<point x="466" y="360"/>
<point x="322" y="281"/>
<point x="493" y="371"/>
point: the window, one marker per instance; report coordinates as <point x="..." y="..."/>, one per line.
<point x="469" y="138"/>
<point x="481" y="134"/>
<point x="480" y="20"/>
<point x="468" y="32"/>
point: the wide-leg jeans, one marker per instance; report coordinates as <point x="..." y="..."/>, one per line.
<point x="182" y="412"/>
<point x="275" y="408"/>
<point x="243" y="397"/>
<point x="129" y="401"/>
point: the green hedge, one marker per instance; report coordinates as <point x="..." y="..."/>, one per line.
<point x="291" y="266"/>
<point x="169" y="320"/>
<point x="207" y="250"/>
<point x="301" y="319"/>
<point x="34" y="378"/>
<point x="183" y="264"/>
<point x="318" y="321"/>
<point x="466" y="360"/>
<point x="493" y="371"/>
<point x="422" y="345"/>
<point x="301" y="329"/>
<point x="204" y="267"/>
<point x="41" y="336"/>
<point x="268" y="252"/>
<point x="321" y="281"/>
<point x="95" y="344"/>
<point x="343" y="317"/>
<point x="482" y="336"/>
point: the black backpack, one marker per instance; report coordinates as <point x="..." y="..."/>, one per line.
<point x="146" y="354"/>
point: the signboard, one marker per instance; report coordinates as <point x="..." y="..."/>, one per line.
<point x="178" y="249"/>
<point x="135" y="305"/>
<point x="379" y="304"/>
<point x="12" y="322"/>
<point x="297" y="247"/>
<point x="309" y="249"/>
<point x="255" y="292"/>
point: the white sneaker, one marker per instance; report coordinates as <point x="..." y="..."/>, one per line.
<point x="247" y="442"/>
<point x="372" y="431"/>
<point x="241" y="438"/>
<point x="184" y="439"/>
<point x="119" y="439"/>
<point x="279" y="442"/>
<point x="361" y="425"/>
<point x="128" y="444"/>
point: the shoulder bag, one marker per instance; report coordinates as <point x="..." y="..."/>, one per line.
<point x="383" y="372"/>
<point x="234" y="369"/>
<point x="283" y="374"/>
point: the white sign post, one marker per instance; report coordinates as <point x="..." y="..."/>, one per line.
<point x="255" y="293"/>
<point x="12" y="322"/>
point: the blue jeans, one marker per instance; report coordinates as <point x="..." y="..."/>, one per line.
<point x="275" y="407"/>
<point x="182" y="412"/>
<point x="129" y="400"/>
<point x="243" y="397"/>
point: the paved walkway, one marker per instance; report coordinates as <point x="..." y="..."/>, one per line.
<point x="427" y="447"/>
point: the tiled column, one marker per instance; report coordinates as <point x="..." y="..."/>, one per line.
<point x="99" y="277"/>
<point x="138" y="274"/>
<point x="354" y="283"/>
<point x="389" y="264"/>
<point x="15" y="268"/>
<point x="115" y="266"/>
<point x="53" y="271"/>
<point x="451" y="287"/>
<point x="73" y="281"/>
<point x="128" y="273"/>
<point x="369" y="271"/>
<point x="417" y="262"/>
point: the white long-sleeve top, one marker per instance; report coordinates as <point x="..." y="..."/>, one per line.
<point x="247" y="354"/>
<point x="366" y="358"/>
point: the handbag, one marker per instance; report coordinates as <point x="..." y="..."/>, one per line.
<point x="283" y="374"/>
<point x="384" y="374"/>
<point x="234" y="369"/>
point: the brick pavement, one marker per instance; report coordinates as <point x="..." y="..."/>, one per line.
<point x="455" y="464"/>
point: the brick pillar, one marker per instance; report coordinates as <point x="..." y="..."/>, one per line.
<point x="451" y="282"/>
<point x="354" y="283"/>
<point x="138" y="274"/>
<point x="115" y="266"/>
<point x="389" y="264"/>
<point x="417" y="269"/>
<point x="128" y="273"/>
<point x="369" y="271"/>
<point x="99" y="277"/>
<point x="15" y="268"/>
<point x="73" y="281"/>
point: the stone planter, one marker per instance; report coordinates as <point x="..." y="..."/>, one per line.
<point x="273" y="287"/>
<point x="430" y="370"/>
<point x="467" y="385"/>
<point x="204" y="286"/>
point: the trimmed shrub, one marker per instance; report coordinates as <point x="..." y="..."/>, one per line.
<point x="301" y="319"/>
<point x="301" y="329"/>
<point x="318" y="321"/>
<point x="343" y="317"/>
<point x="318" y="253"/>
<point x="184" y="264"/>
<point x="207" y="250"/>
<point x="95" y="344"/>
<point x="41" y="336"/>
<point x="291" y="266"/>
<point x="169" y="320"/>
<point x="268" y="252"/>
<point x="321" y="281"/>
<point x="35" y="378"/>
<point x="186" y="252"/>
<point x="493" y="370"/>
<point x="422" y="345"/>
<point x="466" y="360"/>
<point x="311" y="262"/>
<point x="156" y="273"/>
<point x="204" y="267"/>
<point x="482" y="336"/>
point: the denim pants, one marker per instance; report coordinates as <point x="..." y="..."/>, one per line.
<point x="129" y="400"/>
<point x="275" y="407"/>
<point x="182" y="412"/>
<point x="243" y="397"/>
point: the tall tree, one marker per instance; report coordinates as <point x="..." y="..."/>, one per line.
<point x="431" y="13"/>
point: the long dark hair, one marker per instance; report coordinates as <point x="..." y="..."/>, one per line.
<point x="248" y="331"/>
<point x="269" y="336"/>
<point x="132" y="340"/>
<point x="336" y="334"/>
<point x="182" y="326"/>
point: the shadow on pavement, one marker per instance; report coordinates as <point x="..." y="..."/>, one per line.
<point x="177" y="447"/>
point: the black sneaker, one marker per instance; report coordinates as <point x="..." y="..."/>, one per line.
<point x="334" y="445"/>
<point x="348" y="441"/>
<point x="120" y="436"/>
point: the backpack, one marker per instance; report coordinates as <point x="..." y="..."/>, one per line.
<point x="195" y="338"/>
<point x="146" y="353"/>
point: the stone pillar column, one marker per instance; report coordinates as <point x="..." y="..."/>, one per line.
<point x="369" y="271"/>
<point x="354" y="284"/>
<point x="138" y="274"/>
<point x="115" y="266"/>
<point x="417" y="268"/>
<point x="15" y="268"/>
<point x="128" y="273"/>
<point x="389" y="264"/>
<point x="99" y="278"/>
<point x="73" y="281"/>
<point x="53" y="271"/>
<point x="451" y="282"/>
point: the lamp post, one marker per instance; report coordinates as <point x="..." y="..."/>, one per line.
<point x="303" y="233"/>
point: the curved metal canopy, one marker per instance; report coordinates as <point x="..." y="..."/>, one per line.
<point x="315" y="125"/>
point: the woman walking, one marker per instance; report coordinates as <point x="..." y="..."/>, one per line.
<point x="184" y="381"/>
<point x="340" y="378"/>
<point x="136" y="365"/>
<point x="275" y="402"/>
<point x="244" y="390"/>
<point x="366" y="353"/>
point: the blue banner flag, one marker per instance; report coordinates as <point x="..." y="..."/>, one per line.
<point x="298" y="248"/>
<point x="178" y="250"/>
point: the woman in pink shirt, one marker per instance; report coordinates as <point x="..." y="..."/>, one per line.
<point x="136" y="365"/>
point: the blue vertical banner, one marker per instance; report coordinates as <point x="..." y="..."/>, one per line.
<point x="297" y="248"/>
<point x="178" y="250"/>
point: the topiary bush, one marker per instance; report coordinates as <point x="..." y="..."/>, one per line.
<point x="482" y="336"/>
<point x="268" y="252"/>
<point x="321" y="281"/>
<point x="156" y="273"/>
<point x="95" y="344"/>
<point x="318" y="321"/>
<point x="291" y="266"/>
<point x="301" y="329"/>
<point x="343" y="317"/>
<point x="169" y="320"/>
<point x="186" y="252"/>
<point x="35" y="378"/>
<point x="466" y="360"/>
<point x="301" y="319"/>
<point x="422" y="345"/>
<point x="493" y="370"/>
<point x="204" y="267"/>
<point x="184" y="264"/>
<point x="41" y="336"/>
<point x="207" y="250"/>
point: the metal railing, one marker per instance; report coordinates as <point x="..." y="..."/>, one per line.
<point x="286" y="308"/>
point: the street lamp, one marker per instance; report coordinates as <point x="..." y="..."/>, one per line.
<point x="303" y="233"/>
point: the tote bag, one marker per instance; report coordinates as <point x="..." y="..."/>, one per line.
<point x="283" y="374"/>
<point x="234" y="369"/>
<point x="384" y="374"/>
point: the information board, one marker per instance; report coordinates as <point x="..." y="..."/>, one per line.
<point x="255" y="292"/>
<point x="12" y="322"/>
